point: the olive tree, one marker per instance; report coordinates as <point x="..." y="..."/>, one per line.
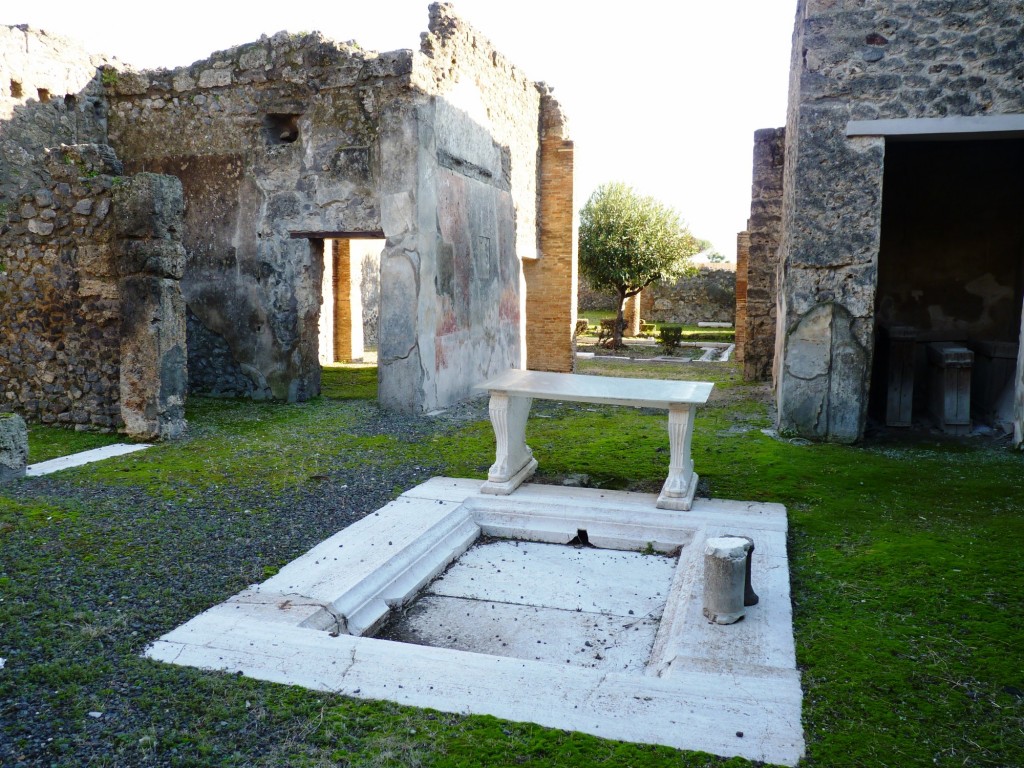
<point x="627" y="241"/>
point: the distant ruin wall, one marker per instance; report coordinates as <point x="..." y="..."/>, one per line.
<point x="707" y="296"/>
<point x="590" y="298"/>
<point x="883" y="60"/>
<point x="764" y="229"/>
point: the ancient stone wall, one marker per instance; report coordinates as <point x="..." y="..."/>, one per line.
<point x="91" y="325"/>
<point x="709" y="295"/>
<point x="59" y="298"/>
<point x="291" y="141"/>
<point x="286" y="142"/>
<point x="81" y="348"/>
<point x="742" y="267"/>
<point x="865" y="61"/>
<point x="763" y="228"/>
<point x="275" y="143"/>
<point x="50" y="94"/>
<point x="148" y="212"/>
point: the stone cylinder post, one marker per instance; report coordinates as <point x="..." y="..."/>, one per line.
<point x="725" y="578"/>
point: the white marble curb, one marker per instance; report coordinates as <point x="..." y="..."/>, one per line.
<point x="728" y="690"/>
<point x="85" y="457"/>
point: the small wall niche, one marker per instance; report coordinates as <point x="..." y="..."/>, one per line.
<point x="281" y="128"/>
<point x="43" y="94"/>
<point x="15" y="89"/>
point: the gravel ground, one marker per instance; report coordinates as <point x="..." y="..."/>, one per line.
<point x="80" y="597"/>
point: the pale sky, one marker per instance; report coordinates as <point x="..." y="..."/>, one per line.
<point x="662" y="94"/>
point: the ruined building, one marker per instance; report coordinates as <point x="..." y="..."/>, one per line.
<point x="166" y="232"/>
<point x="882" y="272"/>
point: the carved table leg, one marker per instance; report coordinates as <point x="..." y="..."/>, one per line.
<point x="514" y="462"/>
<point x="679" y="488"/>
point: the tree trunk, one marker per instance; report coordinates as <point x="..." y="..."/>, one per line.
<point x="619" y="322"/>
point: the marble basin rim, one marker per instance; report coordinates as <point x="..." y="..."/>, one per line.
<point x="312" y="623"/>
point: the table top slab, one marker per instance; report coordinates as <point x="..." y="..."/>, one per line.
<point x="610" y="390"/>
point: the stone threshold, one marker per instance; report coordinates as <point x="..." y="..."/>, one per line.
<point x="729" y="690"/>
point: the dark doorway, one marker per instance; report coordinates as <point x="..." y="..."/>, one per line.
<point x="949" y="272"/>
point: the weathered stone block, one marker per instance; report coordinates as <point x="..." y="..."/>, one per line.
<point x="153" y="357"/>
<point x="153" y="258"/>
<point x="149" y="205"/>
<point x="13" y="447"/>
<point x="72" y="161"/>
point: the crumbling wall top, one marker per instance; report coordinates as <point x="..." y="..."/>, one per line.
<point x="39" y="65"/>
<point x="299" y="59"/>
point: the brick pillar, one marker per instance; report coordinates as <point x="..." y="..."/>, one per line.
<point x="348" y="308"/>
<point x="742" y="262"/>
<point x="551" y="279"/>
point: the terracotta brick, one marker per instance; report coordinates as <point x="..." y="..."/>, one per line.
<point x="551" y="280"/>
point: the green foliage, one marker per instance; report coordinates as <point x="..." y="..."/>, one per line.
<point x="108" y="77"/>
<point x="628" y="240"/>
<point x="669" y="337"/>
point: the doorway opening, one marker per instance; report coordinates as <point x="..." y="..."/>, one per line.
<point x="950" y="284"/>
<point x="350" y="298"/>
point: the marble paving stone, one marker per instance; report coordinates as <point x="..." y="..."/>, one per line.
<point x="83" y="457"/>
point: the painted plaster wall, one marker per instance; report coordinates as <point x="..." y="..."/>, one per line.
<point x="450" y="313"/>
<point x="459" y="209"/>
<point x="852" y="60"/>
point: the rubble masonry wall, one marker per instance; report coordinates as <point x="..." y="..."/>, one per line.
<point x="865" y="61"/>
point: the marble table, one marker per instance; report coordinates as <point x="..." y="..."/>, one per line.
<point x="513" y="391"/>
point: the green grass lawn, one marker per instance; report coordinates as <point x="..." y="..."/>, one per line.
<point x="907" y="588"/>
<point x="690" y="332"/>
